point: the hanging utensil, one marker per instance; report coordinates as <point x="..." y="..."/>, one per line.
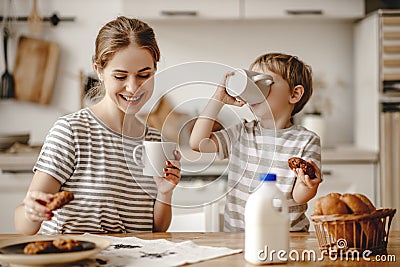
<point x="7" y="80"/>
<point x="35" y="21"/>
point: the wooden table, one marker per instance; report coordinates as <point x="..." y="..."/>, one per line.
<point x="298" y="241"/>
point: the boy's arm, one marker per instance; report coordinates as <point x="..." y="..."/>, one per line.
<point x="201" y="138"/>
<point x="306" y="188"/>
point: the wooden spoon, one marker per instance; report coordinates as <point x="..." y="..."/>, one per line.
<point x="35" y="22"/>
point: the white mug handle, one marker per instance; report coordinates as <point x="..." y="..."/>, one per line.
<point x="135" y="158"/>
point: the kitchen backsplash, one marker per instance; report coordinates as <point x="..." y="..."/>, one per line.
<point x="327" y="45"/>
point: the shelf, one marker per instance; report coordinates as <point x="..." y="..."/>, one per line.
<point x="391" y="63"/>
<point x="53" y="19"/>
<point x="391" y="76"/>
<point x="391" y="35"/>
<point x="392" y="49"/>
<point x="391" y="21"/>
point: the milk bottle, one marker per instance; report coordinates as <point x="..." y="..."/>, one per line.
<point x="266" y="224"/>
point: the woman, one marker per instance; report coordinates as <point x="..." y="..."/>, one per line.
<point x="89" y="152"/>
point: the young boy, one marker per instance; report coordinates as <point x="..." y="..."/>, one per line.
<point x="265" y="145"/>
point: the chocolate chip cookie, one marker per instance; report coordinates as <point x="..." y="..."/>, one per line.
<point x="307" y="168"/>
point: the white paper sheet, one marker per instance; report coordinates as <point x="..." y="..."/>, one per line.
<point x="132" y="251"/>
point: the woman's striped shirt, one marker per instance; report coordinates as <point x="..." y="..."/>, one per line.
<point x="253" y="150"/>
<point x="96" y="163"/>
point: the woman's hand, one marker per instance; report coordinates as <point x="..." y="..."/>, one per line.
<point x="35" y="206"/>
<point x="221" y="94"/>
<point x="306" y="180"/>
<point x="172" y="175"/>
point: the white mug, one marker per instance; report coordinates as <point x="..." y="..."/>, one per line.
<point x="249" y="86"/>
<point x="154" y="156"/>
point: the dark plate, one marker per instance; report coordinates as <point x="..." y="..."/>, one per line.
<point x="19" y="248"/>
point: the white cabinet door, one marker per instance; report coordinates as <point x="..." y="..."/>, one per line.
<point x="347" y="178"/>
<point x="303" y="8"/>
<point x="13" y="188"/>
<point x="202" y="219"/>
<point x="168" y="9"/>
<point x="197" y="205"/>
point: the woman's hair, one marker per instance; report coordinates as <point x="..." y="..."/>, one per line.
<point x="292" y="70"/>
<point x="119" y="34"/>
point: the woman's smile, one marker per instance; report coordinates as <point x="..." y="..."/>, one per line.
<point x="132" y="99"/>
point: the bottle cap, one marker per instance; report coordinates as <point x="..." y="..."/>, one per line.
<point x="268" y="177"/>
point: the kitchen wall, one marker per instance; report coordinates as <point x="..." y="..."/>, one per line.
<point x="324" y="44"/>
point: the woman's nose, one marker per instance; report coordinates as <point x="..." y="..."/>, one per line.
<point x="132" y="85"/>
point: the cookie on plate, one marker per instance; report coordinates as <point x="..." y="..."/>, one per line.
<point x="39" y="247"/>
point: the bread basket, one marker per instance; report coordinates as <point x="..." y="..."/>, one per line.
<point x="338" y="234"/>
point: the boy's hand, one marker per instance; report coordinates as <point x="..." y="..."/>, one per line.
<point x="221" y="94"/>
<point x="306" y="180"/>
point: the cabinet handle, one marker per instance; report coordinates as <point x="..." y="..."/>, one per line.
<point x="176" y="13"/>
<point x="326" y="173"/>
<point x="305" y="12"/>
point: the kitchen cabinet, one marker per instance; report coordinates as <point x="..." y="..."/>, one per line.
<point x="377" y="97"/>
<point x="13" y="187"/>
<point x="347" y="178"/>
<point x="198" y="202"/>
<point x="259" y="9"/>
<point x="172" y="9"/>
<point x="244" y="9"/>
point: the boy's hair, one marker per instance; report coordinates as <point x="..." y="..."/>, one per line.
<point x="292" y="70"/>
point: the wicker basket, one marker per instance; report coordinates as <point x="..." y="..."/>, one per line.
<point x="341" y="233"/>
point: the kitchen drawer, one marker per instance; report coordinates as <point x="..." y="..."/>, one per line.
<point x="259" y="9"/>
<point x="13" y="188"/>
<point x="347" y="178"/>
<point x="170" y="9"/>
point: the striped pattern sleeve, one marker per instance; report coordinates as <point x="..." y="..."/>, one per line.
<point x="227" y="137"/>
<point x="312" y="151"/>
<point x="57" y="156"/>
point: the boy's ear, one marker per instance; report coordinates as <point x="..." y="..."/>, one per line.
<point x="297" y="94"/>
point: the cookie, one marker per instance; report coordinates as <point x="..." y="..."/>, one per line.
<point x="307" y="167"/>
<point x="59" y="200"/>
<point x="39" y="247"/>
<point x="65" y="245"/>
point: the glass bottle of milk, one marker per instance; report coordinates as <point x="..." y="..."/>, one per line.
<point x="266" y="224"/>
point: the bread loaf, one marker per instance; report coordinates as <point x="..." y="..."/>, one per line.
<point x="335" y="203"/>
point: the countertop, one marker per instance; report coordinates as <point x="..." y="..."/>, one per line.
<point x="348" y="154"/>
<point x="194" y="162"/>
<point x="298" y="242"/>
<point x="19" y="162"/>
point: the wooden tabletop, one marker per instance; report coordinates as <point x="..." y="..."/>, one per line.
<point x="298" y="241"/>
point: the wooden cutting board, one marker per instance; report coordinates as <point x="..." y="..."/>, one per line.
<point x="35" y="69"/>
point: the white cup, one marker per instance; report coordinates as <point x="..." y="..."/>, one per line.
<point x="154" y="156"/>
<point x="250" y="86"/>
